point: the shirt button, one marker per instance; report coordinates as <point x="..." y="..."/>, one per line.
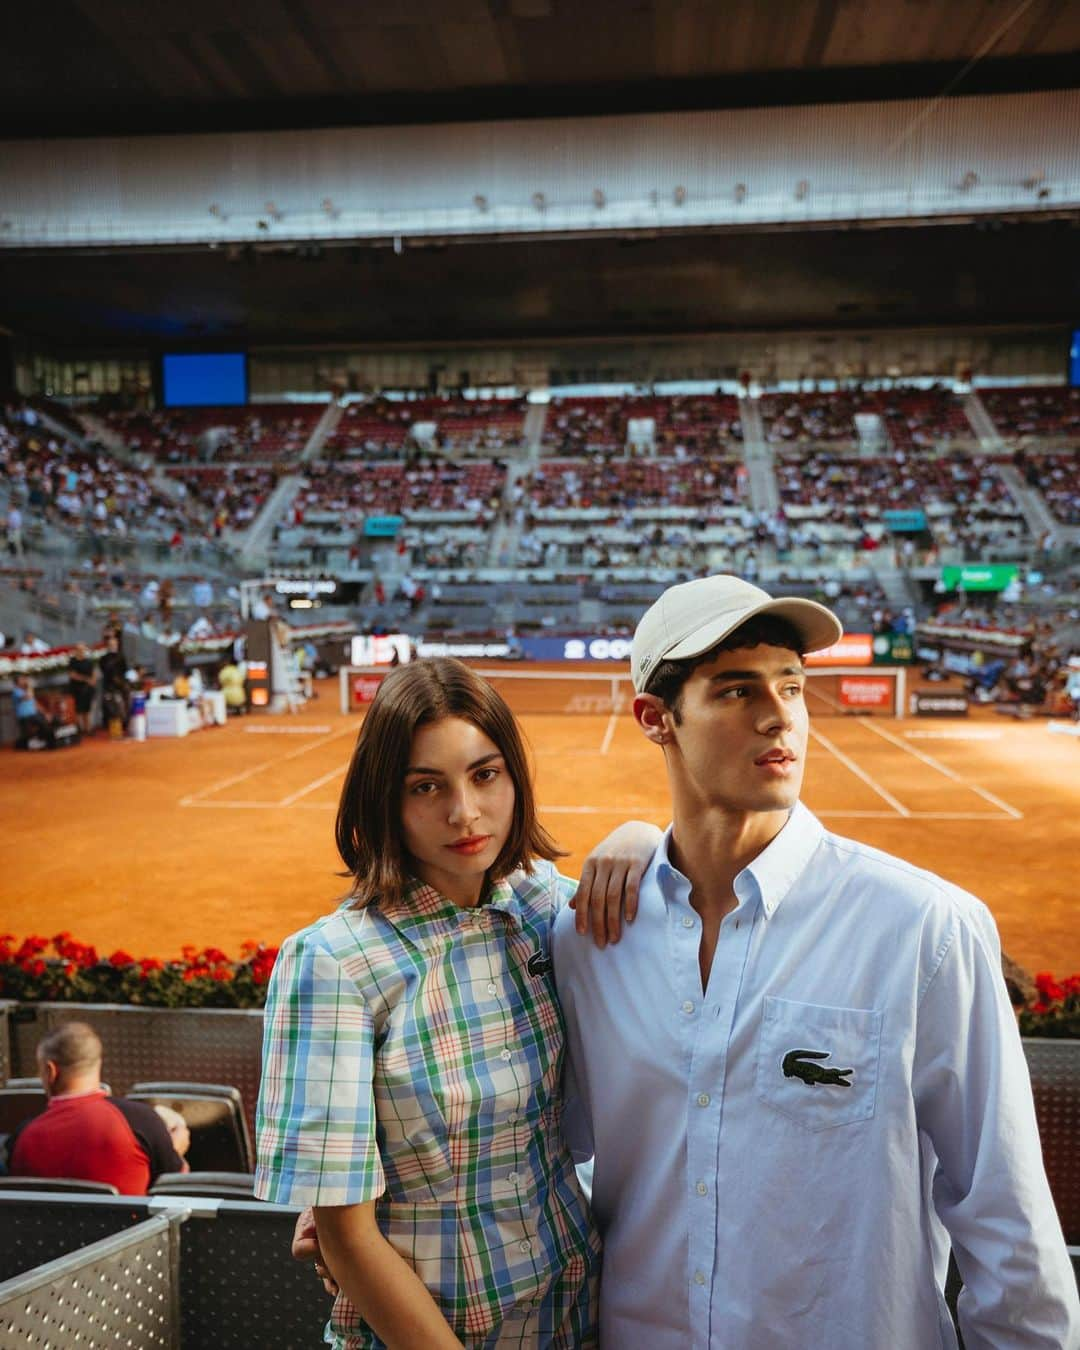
<point x="701" y="1188"/>
<point x="505" y="1054"/>
<point x="687" y="921"/>
<point x="493" y="989"/>
<point x="524" y="1245"/>
<point x="703" y="1099"/>
<point x="512" y="1118"/>
<point x="688" y="1007"/>
<point x="513" y="1178"/>
<point x="699" y="1277"/>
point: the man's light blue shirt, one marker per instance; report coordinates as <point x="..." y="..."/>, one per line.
<point x="777" y="1161"/>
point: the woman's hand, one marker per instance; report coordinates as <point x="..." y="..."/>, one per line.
<point x="610" y="877"/>
<point x="305" y="1248"/>
<point x="381" y="1285"/>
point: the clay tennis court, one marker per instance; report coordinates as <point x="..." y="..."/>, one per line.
<point x="227" y="835"/>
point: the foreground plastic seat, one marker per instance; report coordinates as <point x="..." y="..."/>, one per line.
<point x="57" y="1184"/>
<point x="18" y="1104"/>
<point x="217" y="1185"/>
<point x="214" y="1114"/>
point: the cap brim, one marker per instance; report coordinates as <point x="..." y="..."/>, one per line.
<point x="817" y="626"/>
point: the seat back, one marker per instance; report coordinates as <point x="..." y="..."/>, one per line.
<point x="18" y="1104"/>
<point x="224" y="1185"/>
<point x="76" y="1184"/>
<point x="214" y="1115"/>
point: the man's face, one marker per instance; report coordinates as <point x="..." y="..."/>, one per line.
<point x="739" y="743"/>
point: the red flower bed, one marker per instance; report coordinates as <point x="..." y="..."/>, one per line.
<point x="1056" y="1008"/>
<point x="61" y="970"/>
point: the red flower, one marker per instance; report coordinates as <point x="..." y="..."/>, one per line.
<point x="35" y="967"/>
<point x="1040" y="1007"/>
<point x="222" y="974"/>
<point x="1048" y="987"/>
<point x="149" y="963"/>
<point x="121" y="958"/>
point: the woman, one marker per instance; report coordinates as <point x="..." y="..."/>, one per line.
<point x="414" y="1044"/>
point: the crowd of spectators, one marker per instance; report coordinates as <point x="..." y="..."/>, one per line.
<point x="698" y="483"/>
<point x="1056" y="475"/>
<point x="425" y="483"/>
<point x="231" y="494"/>
<point x="1027" y="413"/>
<point x="265" y="431"/>
<point x="682" y="425"/>
<point x="53" y="480"/>
<point x="382" y="428"/>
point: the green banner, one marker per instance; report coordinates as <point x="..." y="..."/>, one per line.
<point x="979" y="577"/>
<point x="893" y="649"/>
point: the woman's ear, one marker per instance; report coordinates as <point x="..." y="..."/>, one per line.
<point x="653" y="717"/>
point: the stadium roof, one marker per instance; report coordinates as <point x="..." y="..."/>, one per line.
<point x="106" y="67"/>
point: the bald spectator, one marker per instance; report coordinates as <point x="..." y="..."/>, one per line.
<point x="84" y="1132"/>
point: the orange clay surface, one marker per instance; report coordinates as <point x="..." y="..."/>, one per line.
<point x="227" y="834"/>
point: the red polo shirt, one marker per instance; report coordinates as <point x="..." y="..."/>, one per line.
<point x="95" y="1137"/>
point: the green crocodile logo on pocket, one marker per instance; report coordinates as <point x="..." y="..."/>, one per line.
<point x="796" y="1064"/>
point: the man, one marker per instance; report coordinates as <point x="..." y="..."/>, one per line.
<point x="799" y="1070"/>
<point x="34" y="727"/>
<point x="84" y="1132"/>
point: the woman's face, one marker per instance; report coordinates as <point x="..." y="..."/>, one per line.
<point x="457" y="806"/>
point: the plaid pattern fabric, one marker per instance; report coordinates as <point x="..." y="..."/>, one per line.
<point x="412" y="1056"/>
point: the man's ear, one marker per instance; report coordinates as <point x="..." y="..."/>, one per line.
<point x="653" y="717"/>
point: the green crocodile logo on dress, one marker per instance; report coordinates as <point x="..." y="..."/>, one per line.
<point x="795" y="1066"/>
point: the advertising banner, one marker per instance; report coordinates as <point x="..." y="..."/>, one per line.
<point x="905" y="522"/>
<point x="980" y="577"/>
<point x="382" y="527"/>
<point x="927" y="703"/>
<point x="866" y="691"/>
<point x="576" y="648"/>
<point x="853" y="649"/>
<point x="366" y="650"/>
<point x="362" y="689"/>
<point x="893" y="649"/>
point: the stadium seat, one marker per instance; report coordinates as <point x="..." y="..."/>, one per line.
<point x="20" y="1103"/>
<point x="57" y="1184"/>
<point x="214" y="1113"/>
<point x="219" y="1185"/>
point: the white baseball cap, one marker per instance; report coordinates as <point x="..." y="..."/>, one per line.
<point x="690" y="618"/>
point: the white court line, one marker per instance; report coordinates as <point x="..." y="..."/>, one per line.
<point x="195" y="798"/>
<point x="973" y="735"/>
<point x="310" y="787"/>
<point x="285" y="731"/>
<point x="872" y="783"/>
<point x="605" y="744"/>
<point x="943" y="769"/>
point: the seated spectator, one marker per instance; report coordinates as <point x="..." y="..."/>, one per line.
<point x="35" y="729"/>
<point x="232" y="682"/>
<point x="178" y="1131"/>
<point x="83" y="1131"/>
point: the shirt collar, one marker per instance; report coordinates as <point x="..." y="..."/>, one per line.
<point x="422" y="905"/>
<point x="774" y="871"/>
<point x="780" y="864"/>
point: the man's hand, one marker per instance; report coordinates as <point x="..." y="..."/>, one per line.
<point x="305" y="1247"/>
<point x="610" y="877"/>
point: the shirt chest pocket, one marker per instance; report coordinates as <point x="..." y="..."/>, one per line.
<point x="818" y="1066"/>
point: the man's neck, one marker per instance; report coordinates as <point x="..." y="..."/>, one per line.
<point x="710" y="847"/>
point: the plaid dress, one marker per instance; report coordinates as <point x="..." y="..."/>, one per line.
<point x="412" y="1056"/>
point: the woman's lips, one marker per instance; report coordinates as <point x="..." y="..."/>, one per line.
<point x="476" y="844"/>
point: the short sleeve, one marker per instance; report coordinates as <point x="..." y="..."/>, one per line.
<point x="316" y="1126"/>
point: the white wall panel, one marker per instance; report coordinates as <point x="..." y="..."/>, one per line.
<point x="888" y="161"/>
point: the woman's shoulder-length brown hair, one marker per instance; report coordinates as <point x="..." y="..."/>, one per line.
<point x="368" y="828"/>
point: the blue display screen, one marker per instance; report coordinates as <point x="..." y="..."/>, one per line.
<point x="1074" y="359"/>
<point x="207" y="379"/>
